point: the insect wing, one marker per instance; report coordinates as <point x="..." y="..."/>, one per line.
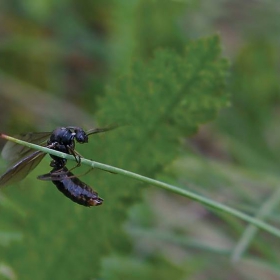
<point x="13" y="152"/>
<point x="56" y="175"/>
<point x="98" y="130"/>
<point x="21" y="169"/>
<point x="45" y="177"/>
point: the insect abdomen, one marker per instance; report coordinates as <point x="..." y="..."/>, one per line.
<point x="77" y="190"/>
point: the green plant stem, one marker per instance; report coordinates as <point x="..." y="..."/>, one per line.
<point x="251" y="230"/>
<point x="203" y="200"/>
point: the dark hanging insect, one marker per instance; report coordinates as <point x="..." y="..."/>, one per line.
<point x="72" y="187"/>
<point x="23" y="160"/>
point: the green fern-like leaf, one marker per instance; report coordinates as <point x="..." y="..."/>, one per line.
<point x="184" y="91"/>
<point x="163" y="100"/>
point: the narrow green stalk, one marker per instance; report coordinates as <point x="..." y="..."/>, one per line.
<point x="203" y="200"/>
<point x="251" y="230"/>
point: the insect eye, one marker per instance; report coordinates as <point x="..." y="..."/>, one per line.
<point x="81" y="136"/>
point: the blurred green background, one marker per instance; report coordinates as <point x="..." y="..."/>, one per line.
<point x="66" y="63"/>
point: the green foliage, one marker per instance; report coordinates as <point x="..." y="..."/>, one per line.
<point x="137" y="37"/>
<point x="190" y="89"/>
<point x="255" y="103"/>
<point x="162" y="87"/>
<point x="118" y="268"/>
<point x="161" y="100"/>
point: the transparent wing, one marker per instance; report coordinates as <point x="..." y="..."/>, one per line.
<point x="13" y="152"/>
<point x="20" y="170"/>
<point x="98" y="130"/>
<point x="56" y="175"/>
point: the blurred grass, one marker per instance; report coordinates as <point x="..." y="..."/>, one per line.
<point x="71" y="51"/>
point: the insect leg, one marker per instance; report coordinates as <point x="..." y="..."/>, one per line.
<point x="76" y="155"/>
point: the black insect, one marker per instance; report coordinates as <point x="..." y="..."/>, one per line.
<point x="23" y="160"/>
<point x="72" y="187"/>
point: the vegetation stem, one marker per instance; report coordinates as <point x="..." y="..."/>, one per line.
<point x="203" y="200"/>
